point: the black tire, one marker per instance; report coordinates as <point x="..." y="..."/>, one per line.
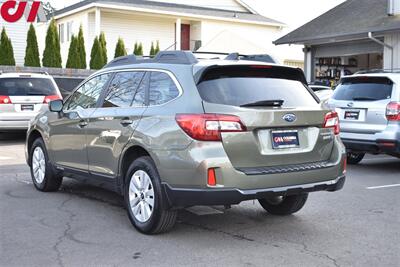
<point x="284" y="205"/>
<point x="162" y="218"/>
<point x="354" y="158"/>
<point x="52" y="180"/>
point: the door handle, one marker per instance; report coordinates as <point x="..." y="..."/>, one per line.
<point x="82" y="124"/>
<point x="126" y="122"/>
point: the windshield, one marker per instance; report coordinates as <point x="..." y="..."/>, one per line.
<point x="26" y="86"/>
<point x="364" y="89"/>
<point x="239" y="86"/>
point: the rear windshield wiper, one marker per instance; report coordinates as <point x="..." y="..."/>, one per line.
<point x="264" y="103"/>
<point x="364" y="98"/>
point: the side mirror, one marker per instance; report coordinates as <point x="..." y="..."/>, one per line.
<point x="56" y="105"/>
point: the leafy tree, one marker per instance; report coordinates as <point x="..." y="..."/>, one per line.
<point x="32" y="51"/>
<point x="52" y="54"/>
<point x="103" y="43"/>
<point x="120" y="49"/>
<point x="96" y="55"/>
<point x="157" y="49"/>
<point x="80" y="44"/>
<point x="74" y="59"/>
<point x="6" y="50"/>
<point x="152" y="50"/>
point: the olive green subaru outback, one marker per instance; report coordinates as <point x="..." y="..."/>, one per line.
<point x="173" y="132"/>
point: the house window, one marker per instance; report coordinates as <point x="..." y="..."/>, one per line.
<point x="61" y="32"/>
<point x="69" y="31"/>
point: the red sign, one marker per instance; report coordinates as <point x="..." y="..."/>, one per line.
<point x="12" y="11"/>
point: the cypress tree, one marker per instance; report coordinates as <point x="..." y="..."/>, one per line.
<point x="152" y="50"/>
<point x="32" y="50"/>
<point x="6" y="50"/>
<point x="96" y="55"/>
<point x="120" y="49"/>
<point x="74" y="59"/>
<point x="140" y="49"/>
<point x="52" y="54"/>
<point x="103" y="43"/>
<point x="157" y="49"/>
<point x="135" y="49"/>
<point x="80" y="44"/>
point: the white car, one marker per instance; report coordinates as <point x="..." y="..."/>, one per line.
<point x="23" y="96"/>
<point x="323" y="92"/>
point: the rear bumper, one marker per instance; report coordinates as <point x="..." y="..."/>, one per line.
<point x="376" y="147"/>
<point x="9" y="125"/>
<point x="184" y="197"/>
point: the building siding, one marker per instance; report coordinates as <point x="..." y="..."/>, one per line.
<point x="17" y="33"/>
<point x="394" y="41"/>
<point x="135" y="27"/>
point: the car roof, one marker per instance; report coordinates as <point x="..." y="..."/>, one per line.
<point x="24" y="75"/>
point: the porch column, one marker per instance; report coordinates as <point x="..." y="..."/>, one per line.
<point x="178" y="34"/>
<point x="308" y="66"/>
<point x="97" y="22"/>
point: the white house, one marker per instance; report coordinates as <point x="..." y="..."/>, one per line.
<point x="207" y="25"/>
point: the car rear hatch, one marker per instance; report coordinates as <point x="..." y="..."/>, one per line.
<point x="22" y="97"/>
<point x="283" y="119"/>
<point x="361" y="103"/>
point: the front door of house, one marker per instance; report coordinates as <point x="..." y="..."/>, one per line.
<point x="185" y="37"/>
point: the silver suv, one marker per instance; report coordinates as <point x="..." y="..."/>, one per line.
<point x="23" y="96"/>
<point x="174" y="132"/>
<point x="368" y="105"/>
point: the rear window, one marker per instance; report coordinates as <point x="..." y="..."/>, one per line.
<point x="26" y="86"/>
<point x="241" y="85"/>
<point x="364" y="89"/>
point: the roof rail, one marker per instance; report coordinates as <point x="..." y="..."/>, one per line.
<point x="124" y="60"/>
<point x="175" y="57"/>
<point x="395" y="70"/>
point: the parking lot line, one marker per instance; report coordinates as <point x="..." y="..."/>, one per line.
<point x="383" y="186"/>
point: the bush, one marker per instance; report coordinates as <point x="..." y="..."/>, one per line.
<point x="80" y="44"/>
<point x="96" y="55"/>
<point x="152" y="50"/>
<point x="74" y="59"/>
<point x="32" y="51"/>
<point x="138" y="49"/>
<point x="103" y="43"/>
<point x="120" y="49"/>
<point x="52" y="54"/>
<point x="6" y="50"/>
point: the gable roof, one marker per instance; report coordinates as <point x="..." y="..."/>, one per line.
<point x="351" y="19"/>
<point x="173" y="8"/>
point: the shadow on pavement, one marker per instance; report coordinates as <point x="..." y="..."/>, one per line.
<point x="9" y="138"/>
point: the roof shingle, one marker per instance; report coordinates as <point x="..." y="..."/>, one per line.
<point x="353" y="17"/>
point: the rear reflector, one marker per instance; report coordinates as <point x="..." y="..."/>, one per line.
<point x="5" y="99"/>
<point x="344" y="164"/>
<point x="211" y="178"/>
<point x="49" y="98"/>
<point x="332" y="121"/>
<point x="393" y="111"/>
<point x="208" y="127"/>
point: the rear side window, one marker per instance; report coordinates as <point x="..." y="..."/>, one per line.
<point x="241" y="85"/>
<point x="364" y="89"/>
<point x="123" y="89"/>
<point x="162" y="88"/>
<point x="27" y="86"/>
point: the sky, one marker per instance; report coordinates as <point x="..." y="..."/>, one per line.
<point x="293" y="13"/>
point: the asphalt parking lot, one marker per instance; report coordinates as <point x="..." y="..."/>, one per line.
<point x="85" y="226"/>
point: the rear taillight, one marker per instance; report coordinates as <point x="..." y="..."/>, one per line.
<point x="49" y="98"/>
<point x="332" y="121"/>
<point x="208" y="127"/>
<point x="5" y="99"/>
<point x="393" y="111"/>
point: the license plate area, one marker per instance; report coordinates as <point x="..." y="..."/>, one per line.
<point x="352" y="115"/>
<point x="27" y="107"/>
<point x="285" y="139"/>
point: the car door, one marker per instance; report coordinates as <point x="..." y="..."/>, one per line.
<point x="68" y="131"/>
<point x="113" y="123"/>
